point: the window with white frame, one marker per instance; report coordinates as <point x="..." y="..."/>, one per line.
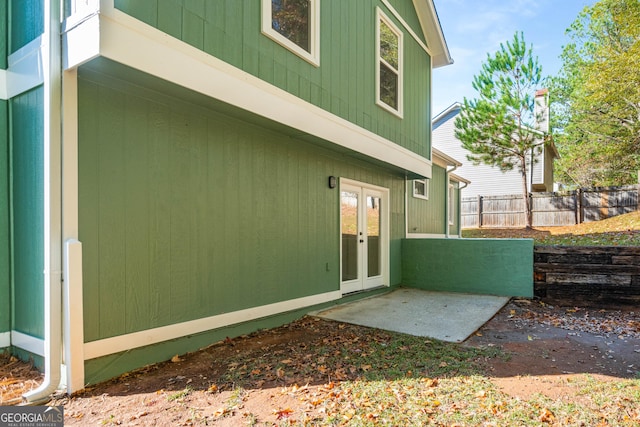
<point x="421" y="188"/>
<point x="452" y="204"/>
<point x="295" y="24"/>
<point x="389" y="65"/>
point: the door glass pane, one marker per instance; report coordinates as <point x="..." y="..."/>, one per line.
<point x="374" y="244"/>
<point x="349" y="212"/>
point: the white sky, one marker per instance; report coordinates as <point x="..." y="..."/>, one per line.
<point x="473" y="28"/>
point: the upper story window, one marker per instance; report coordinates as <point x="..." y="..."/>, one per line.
<point x="295" y="24"/>
<point x="421" y="188"/>
<point x="389" y="65"/>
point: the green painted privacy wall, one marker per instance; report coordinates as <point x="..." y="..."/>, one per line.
<point x="343" y="84"/>
<point x="484" y="266"/>
<point x="27" y="124"/>
<point x="428" y="216"/>
<point x="186" y="213"/>
<point x="26" y="22"/>
<point x="5" y="254"/>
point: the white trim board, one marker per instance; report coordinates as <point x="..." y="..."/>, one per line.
<point x="123" y="39"/>
<point x="428" y="17"/>
<point x="27" y="342"/>
<point x="73" y="328"/>
<point x="99" y="348"/>
<point x="5" y="339"/>
<point x="406" y="27"/>
<point x="3" y="85"/>
<point x="425" y="236"/>
<point x="25" y="70"/>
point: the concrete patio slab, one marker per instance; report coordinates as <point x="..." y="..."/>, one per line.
<point x="445" y="316"/>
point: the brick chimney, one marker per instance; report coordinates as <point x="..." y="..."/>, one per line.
<point x="541" y="110"/>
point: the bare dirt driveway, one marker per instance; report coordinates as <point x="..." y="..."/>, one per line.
<point x="295" y="375"/>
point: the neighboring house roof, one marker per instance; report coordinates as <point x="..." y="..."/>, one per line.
<point x="433" y="33"/>
<point x="454" y="110"/>
<point x="458" y="178"/>
<point x="437" y="120"/>
<point x="442" y="159"/>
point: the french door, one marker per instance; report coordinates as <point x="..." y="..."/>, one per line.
<point x="364" y="236"/>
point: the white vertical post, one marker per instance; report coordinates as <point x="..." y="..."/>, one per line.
<point x="73" y="317"/>
<point x="73" y="333"/>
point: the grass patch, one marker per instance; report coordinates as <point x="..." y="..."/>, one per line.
<point x="179" y="395"/>
<point x="369" y="377"/>
<point x="475" y="401"/>
<point x="622" y="230"/>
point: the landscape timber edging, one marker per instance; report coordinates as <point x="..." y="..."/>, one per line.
<point x="587" y="275"/>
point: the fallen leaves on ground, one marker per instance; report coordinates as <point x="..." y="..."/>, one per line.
<point x="316" y="372"/>
<point x="619" y="323"/>
<point x="16" y="378"/>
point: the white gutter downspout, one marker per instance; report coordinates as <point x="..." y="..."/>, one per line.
<point x="446" y="199"/>
<point x="406" y="204"/>
<point x="52" y="206"/>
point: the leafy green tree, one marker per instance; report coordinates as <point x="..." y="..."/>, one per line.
<point x="597" y="104"/>
<point x="498" y="127"/>
<point x="291" y="19"/>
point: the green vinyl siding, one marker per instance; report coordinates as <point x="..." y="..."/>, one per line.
<point x="406" y="9"/>
<point x="26" y="22"/>
<point x="428" y="216"/>
<point x="4" y="35"/>
<point x="454" y="229"/>
<point x="27" y="163"/>
<point x="104" y="368"/>
<point x="186" y="213"/>
<point x="5" y="254"/>
<point x="343" y="84"/>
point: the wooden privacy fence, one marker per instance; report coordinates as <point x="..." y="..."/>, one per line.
<point x="549" y="209"/>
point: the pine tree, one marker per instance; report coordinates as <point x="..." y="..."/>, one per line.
<point x="498" y="127"/>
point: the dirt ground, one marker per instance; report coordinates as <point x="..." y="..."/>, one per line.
<point x="547" y="346"/>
